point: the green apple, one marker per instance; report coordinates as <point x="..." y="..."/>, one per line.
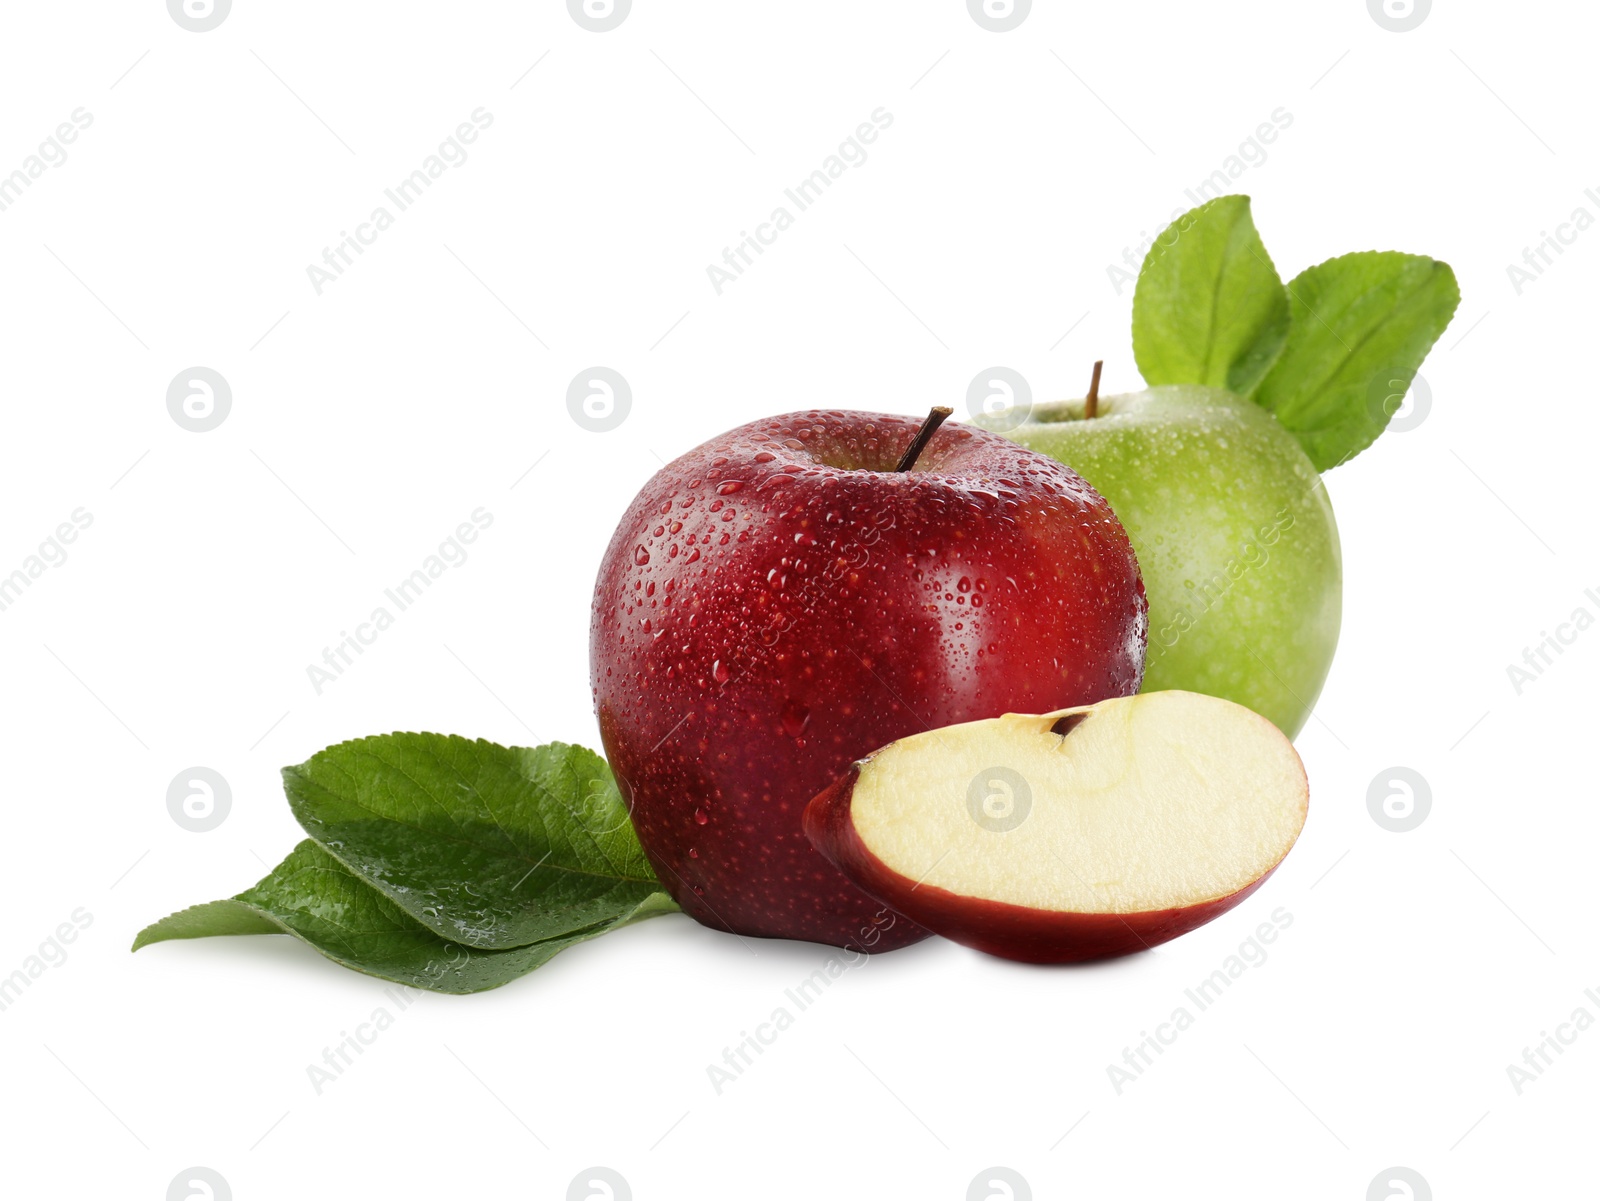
<point x="1233" y="531"/>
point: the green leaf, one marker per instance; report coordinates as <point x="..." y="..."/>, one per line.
<point x="485" y="845"/>
<point x="1363" y="323"/>
<point x="1209" y="307"/>
<point x="443" y="863"/>
<point x="312" y="896"/>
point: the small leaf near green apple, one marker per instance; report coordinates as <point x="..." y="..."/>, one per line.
<point x="1210" y="308"/>
<point x="1356" y="317"/>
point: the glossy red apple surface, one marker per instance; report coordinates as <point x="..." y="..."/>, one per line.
<point x="781" y="601"/>
<point x="1076" y="835"/>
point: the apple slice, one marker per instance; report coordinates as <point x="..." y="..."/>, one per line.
<point x="1079" y="834"/>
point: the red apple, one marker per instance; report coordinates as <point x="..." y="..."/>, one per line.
<point x="784" y="599"/>
<point x="1081" y="834"/>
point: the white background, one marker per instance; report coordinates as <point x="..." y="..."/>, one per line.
<point x="369" y="421"/>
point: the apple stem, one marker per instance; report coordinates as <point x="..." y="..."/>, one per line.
<point x="1091" y="402"/>
<point x="935" y="419"/>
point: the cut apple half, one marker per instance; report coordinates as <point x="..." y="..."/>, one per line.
<point x="1074" y="835"/>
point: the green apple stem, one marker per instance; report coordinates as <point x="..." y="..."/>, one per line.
<point x="1091" y="402"/>
<point x="936" y="416"/>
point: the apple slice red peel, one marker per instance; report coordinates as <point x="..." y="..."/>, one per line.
<point x="1075" y="835"/>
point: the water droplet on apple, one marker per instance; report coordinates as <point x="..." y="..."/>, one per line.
<point x="701" y="817"/>
<point x="641" y="556"/>
<point x="719" y="672"/>
<point x="795" y="716"/>
<point x="729" y="487"/>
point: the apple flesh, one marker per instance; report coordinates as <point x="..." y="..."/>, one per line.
<point x="1080" y="834"/>
<point x="781" y="601"/>
<point x="1233" y="529"/>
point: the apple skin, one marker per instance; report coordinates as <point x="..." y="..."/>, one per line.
<point x="1235" y="537"/>
<point x="995" y="927"/>
<point x="779" y="603"/>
